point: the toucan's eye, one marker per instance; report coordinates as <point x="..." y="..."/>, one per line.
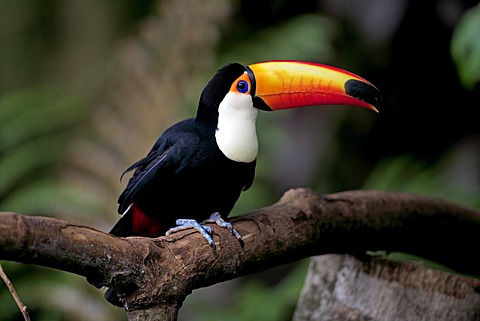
<point x="242" y="86"/>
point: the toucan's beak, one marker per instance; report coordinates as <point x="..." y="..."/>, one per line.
<point x="288" y="84"/>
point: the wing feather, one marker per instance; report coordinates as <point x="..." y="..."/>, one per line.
<point x="168" y="157"/>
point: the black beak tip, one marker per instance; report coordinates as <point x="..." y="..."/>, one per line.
<point x="364" y="92"/>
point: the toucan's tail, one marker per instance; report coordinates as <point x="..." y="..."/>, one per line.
<point x="133" y="223"/>
<point x="124" y="226"/>
<point x="112" y="297"/>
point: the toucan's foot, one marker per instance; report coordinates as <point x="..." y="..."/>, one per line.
<point x="217" y="219"/>
<point x="184" y="224"/>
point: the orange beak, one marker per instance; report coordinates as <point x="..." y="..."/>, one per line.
<point x="287" y="84"/>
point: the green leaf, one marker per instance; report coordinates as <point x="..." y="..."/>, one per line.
<point x="465" y="47"/>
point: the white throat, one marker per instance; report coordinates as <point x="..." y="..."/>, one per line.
<point x="236" y="132"/>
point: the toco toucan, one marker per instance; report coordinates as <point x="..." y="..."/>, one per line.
<point x="199" y="166"/>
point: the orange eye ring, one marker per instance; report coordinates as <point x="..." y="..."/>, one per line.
<point x="241" y="85"/>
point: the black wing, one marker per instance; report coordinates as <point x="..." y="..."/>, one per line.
<point x="249" y="178"/>
<point x="168" y="157"/>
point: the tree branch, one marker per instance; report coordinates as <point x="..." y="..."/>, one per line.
<point x="159" y="273"/>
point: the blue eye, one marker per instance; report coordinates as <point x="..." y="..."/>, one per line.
<point x="242" y="86"/>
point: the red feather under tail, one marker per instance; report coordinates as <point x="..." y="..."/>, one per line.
<point x="133" y="223"/>
<point x="136" y="223"/>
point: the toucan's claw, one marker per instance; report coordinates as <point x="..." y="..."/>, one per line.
<point x="217" y="219"/>
<point x="184" y="224"/>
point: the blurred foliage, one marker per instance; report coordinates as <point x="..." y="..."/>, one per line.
<point x="409" y="175"/>
<point x="303" y="37"/>
<point x="37" y="126"/>
<point x="256" y="299"/>
<point x="466" y="47"/>
<point x="86" y="87"/>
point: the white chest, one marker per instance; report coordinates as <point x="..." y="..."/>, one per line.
<point x="236" y="133"/>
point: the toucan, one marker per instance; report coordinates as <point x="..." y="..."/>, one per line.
<point x="198" y="167"/>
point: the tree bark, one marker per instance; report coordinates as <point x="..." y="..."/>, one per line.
<point x="347" y="288"/>
<point x="153" y="275"/>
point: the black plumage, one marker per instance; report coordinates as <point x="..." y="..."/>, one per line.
<point x="185" y="174"/>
